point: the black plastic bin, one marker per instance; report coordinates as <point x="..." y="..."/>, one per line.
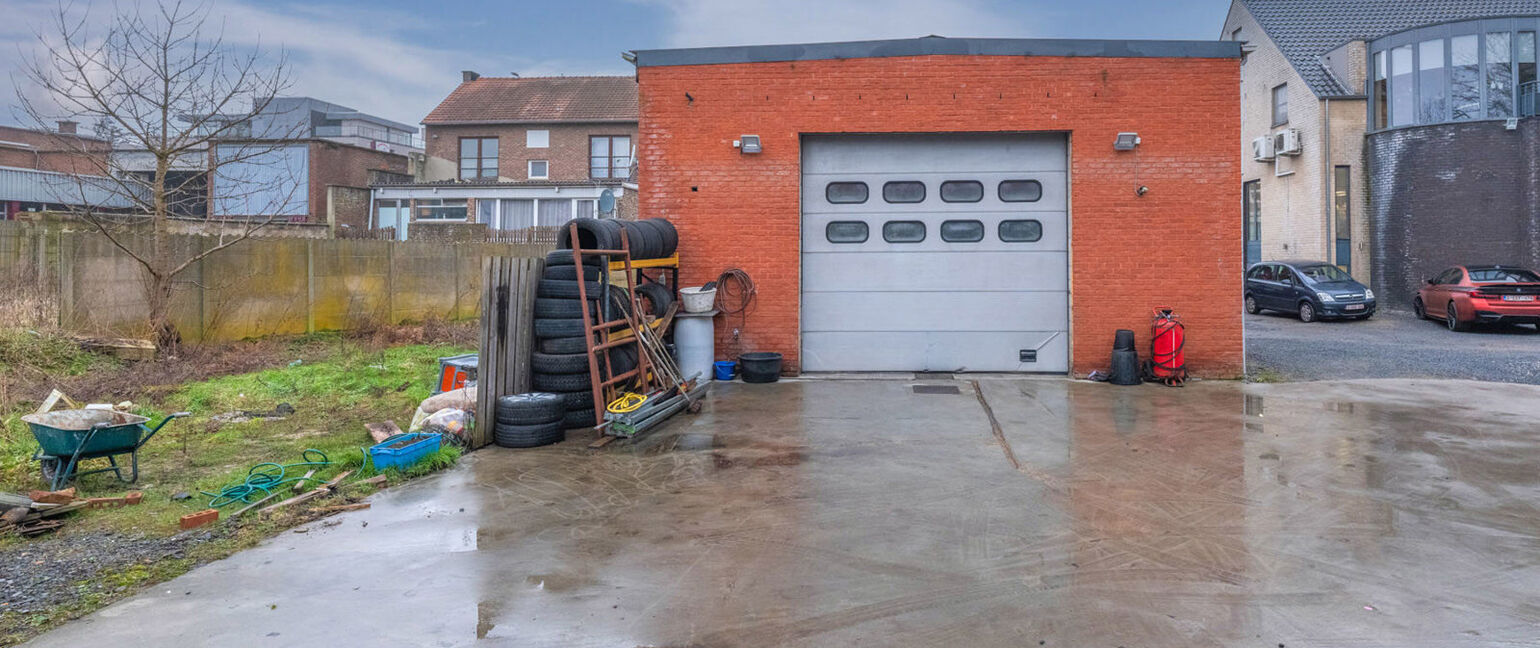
<point x="760" y="367"/>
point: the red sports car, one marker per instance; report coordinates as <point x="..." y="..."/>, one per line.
<point x="1465" y="295"/>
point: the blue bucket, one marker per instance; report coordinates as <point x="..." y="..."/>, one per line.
<point x="726" y="369"/>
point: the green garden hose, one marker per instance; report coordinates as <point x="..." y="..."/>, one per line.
<point x="264" y="478"/>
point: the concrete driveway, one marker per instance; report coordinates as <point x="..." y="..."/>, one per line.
<point x="1389" y="345"/>
<point x="858" y="512"/>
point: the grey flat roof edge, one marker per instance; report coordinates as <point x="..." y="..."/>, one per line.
<point x="938" y="46"/>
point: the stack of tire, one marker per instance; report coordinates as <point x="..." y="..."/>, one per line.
<point x="529" y="420"/>
<point x="560" y="359"/>
<point x="650" y="238"/>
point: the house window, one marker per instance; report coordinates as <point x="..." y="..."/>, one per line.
<point x="1381" y="101"/>
<point x="587" y="208"/>
<point x="539" y="169"/>
<point x="1342" y="219"/>
<point x="441" y="209"/>
<point x="478" y="157"/>
<point x="1464" y="78"/>
<point x="1499" y="75"/>
<point x="537" y="139"/>
<point x="1281" y="105"/>
<point x="1432" y="107"/>
<point x="609" y="156"/>
<point x="1402" y="101"/>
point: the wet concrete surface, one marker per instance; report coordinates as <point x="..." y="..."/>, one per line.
<point x="1390" y="345"/>
<point x="857" y="512"/>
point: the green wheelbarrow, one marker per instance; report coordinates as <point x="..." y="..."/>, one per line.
<point x="67" y="437"/>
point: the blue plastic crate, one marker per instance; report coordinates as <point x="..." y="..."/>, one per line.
<point x="419" y="445"/>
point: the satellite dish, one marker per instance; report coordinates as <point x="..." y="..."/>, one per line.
<point x="607" y="202"/>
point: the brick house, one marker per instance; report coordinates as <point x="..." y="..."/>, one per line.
<point x="941" y="204"/>
<point x="1392" y="138"/>
<point x="36" y="169"/>
<point x="518" y="155"/>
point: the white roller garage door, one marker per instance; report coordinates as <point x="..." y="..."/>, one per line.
<point x="935" y="253"/>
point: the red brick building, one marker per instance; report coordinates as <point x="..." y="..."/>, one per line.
<point x="954" y="204"/>
<point x="521" y="155"/>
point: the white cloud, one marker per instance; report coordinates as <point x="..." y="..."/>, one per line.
<point x="704" y="23"/>
<point x="386" y="63"/>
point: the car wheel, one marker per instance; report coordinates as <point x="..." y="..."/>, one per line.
<point x="1452" y="319"/>
<point x="1306" y="312"/>
<point x="1418" y="310"/>
<point x="1251" y="305"/>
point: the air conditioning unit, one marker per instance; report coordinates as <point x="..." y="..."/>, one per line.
<point x="1262" y="149"/>
<point x="1286" y="142"/>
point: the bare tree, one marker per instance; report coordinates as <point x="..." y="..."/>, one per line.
<point x="185" y="112"/>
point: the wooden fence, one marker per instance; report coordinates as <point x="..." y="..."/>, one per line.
<point x="507" y="336"/>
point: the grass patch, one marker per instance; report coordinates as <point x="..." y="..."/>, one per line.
<point x="337" y="386"/>
<point x="1265" y="375"/>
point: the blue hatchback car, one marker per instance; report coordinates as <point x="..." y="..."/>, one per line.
<point x="1312" y="289"/>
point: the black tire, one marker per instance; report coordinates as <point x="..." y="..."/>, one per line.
<point x="564" y="345"/>
<point x="593" y="234"/>
<point x="659" y="295"/>
<point x="670" y="236"/>
<point x="654" y="240"/>
<point x="578" y="419"/>
<point x="577" y="400"/>
<point x="559" y="308"/>
<point x="558" y="328"/>
<point x="1306" y="312"/>
<point x="528" y="436"/>
<point x="564" y="257"/>
<point x="561" y="382"/>
<point x="638" y="238"/>
<point x="1452" y="320"/>
<point x="622" y="359"/>
<point x="532" y="408"/>
<point x="559" y="363"/>
<point x="566" y="289"/>
<point x="569" y="272"/>
<point x="1418" y="309"/>
<point x="1251" y="305"/>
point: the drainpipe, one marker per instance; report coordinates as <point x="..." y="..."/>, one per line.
<point x="1327" y="172"/>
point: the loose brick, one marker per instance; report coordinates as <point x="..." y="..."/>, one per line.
<point x="195" y="520"/>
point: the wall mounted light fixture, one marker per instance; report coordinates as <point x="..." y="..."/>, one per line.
<point x="1126" y="142"/>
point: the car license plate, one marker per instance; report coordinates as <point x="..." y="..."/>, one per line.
<point x="1353" y="307"/>
<point x="1518" y="297"/>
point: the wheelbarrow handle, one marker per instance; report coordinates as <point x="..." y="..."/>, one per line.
<point x="163" y="422"/>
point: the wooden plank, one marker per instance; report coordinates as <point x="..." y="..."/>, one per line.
<point x="601" y="442"/>
<point x="12" y="500"/>
<point x="252" y="505"/>
<point x="343" y="507"/>
<point x="320" y="491"/>
<point x="299" y="484"/>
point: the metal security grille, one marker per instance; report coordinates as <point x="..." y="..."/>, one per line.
<point x="922" y="271"/>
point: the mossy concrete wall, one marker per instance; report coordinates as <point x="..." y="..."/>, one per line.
<point x="259" y="287"/>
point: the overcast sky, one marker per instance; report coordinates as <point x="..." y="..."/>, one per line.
<point x="398" y="58"/>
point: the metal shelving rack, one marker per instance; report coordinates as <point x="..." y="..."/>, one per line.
<point x="604" y="387"/>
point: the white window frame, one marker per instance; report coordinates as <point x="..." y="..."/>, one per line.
<point x="537" y="139"/>
<point x="543" y="176"/>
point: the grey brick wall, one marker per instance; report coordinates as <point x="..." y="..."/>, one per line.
<point x="1451" y="194"/>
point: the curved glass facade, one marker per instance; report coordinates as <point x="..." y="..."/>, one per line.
<point x="1453" y="72"/>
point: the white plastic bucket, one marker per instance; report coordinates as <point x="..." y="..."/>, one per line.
<point x="697" y="300"/>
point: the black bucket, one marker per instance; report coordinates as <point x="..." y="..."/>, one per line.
<point x="1123" y="340"/>
<point x="760" y="367"/>
<point x="1125" y="367"/>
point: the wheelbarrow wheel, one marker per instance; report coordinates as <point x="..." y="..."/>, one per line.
<point x="50" y="468"/>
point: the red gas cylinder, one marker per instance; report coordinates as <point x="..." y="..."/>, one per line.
<point x="1168" y="363"/>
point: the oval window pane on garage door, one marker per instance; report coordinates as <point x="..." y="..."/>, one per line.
<point x="1020" y="231"/>
<point x="846" y="232"/>
<point x="845" y="193"/>
<point x="1021" y="191"/>
<point x="904" y="191"/>
<point x="962" y="231"/>
<point x="903" y="231"/>
<point x="962" y="191"/>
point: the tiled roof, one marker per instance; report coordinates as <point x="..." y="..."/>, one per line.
<point x="1306" y="29"/>
<point x="539" y="99"/>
